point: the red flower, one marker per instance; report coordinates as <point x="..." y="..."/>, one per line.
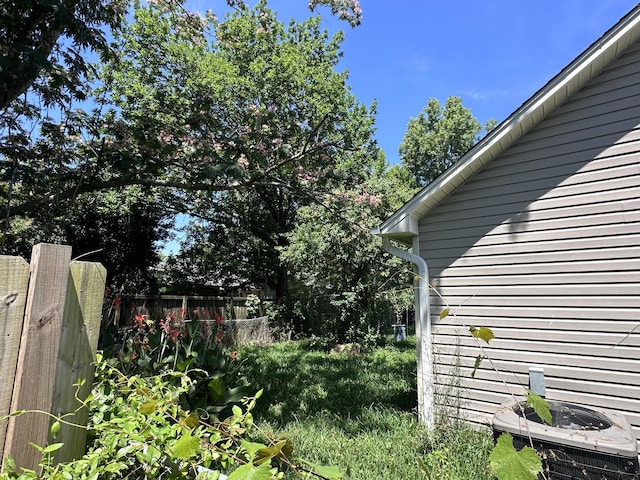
<point x="219" y="336"/>
<point x="172" y="327"/>
<point x="218" y="318"/>
<point x="139" y="319"/>
<point x="233" y="356"/>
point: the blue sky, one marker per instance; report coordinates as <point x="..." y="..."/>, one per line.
<point x="494" y="54"/>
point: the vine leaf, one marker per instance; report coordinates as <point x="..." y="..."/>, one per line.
<point x="483" y="333"/>
<point x="282" y="448"/>
<point x="147" y="408"/>
<point x="251" y="472"/>
<point x="252" y="447"/>
<point x="540" y="406"/>
<point x="508" y="463"/>
<point x="327" y="472"/>
<point x="444" y="313"/>
<point x="192" y="420"/>
<point x="186" y="446"/>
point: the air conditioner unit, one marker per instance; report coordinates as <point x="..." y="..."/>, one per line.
<point x="581" y="443"/>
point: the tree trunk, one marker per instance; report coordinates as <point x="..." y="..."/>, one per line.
<point x="282" y="282"/>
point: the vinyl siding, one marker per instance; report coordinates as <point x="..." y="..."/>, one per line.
<point x="543" y="247"/>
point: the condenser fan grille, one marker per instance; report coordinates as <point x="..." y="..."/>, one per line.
<point x="566" y="415"/>
<point x="562" y="462"/>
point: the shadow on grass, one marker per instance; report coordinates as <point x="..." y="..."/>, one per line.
<point x="299" y="382"/>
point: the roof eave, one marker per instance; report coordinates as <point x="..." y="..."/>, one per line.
<point x="402" y="229"/>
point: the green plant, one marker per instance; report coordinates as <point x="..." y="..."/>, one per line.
<point x="253" y="305"/>
<point x="355" y="411"/>
<point x="505" y="461"/>
<point x="139" y="430"/>
<point x="457" y="451"/>
<point x="187" y="345"/>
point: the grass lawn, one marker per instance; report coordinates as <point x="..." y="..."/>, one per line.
<point x="357" y="412"/>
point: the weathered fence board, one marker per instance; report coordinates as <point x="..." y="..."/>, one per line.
<point x="158" y="306"/>
<point x="14" y="277"/>
<point x="78" y="344"/>
<point x="39" y="346"/>
<point x="57" y="319"/>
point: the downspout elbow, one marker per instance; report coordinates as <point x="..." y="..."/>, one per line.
<point x="425" y="357"/>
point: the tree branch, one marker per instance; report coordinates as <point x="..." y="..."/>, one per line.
<point x="75" y="190"/>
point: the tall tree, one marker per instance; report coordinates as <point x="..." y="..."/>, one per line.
<point x="42" y="44"/>
<point x="44" y="70"/>
<point x="49" y="37"/>
<point x="292" y="131"/>
<point x="437" y="138"/>
<point x="122" y="229"/>
<point x="341" y="268"/>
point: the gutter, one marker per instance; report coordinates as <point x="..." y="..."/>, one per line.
<point x="426" y="410"/>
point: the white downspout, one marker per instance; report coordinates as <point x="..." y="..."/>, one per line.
<point x="426" y="409"/>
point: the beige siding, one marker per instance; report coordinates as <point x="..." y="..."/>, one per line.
<point x="543" y="246"/>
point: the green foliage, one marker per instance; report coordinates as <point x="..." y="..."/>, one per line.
<point x="253" y="304"/>
<point x="184" y="103"/>
<point x="186" y="345"/>
<point x="507" y="463"/>
<point x="252" y="472"/>
<point x="299" y="381"/>
<point x="437" y="138"/>
<point x="356" y="412"/>
<point x="483" y="333"/>
<point x="476" y="364"/>
<point x="120" y="229"/>
<point x="540" y="406"/>
<point x="138" y="429"/>
<point x="301" y="135"/>
<point x="34" y="59"/>
<point x="348" y="287"/>
<point x="457" y="451"/>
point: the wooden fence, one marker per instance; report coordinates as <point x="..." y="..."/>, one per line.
<point x="158" y="306"/>
<point x="238" y="329"/>
<point x="50" y="313"/>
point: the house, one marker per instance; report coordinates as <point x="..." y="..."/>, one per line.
<point x="535" y="234"/>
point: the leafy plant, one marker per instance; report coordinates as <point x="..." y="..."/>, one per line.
<point x="510" y="464"/>
<point x="253" y="305"/>
<point x="505" y="461"/>
<point x="138" y="430"/>
<point x="191" y="346"/>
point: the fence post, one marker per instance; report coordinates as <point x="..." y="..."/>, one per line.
<point x="14" y="278"/>
<point x="39" y="345"/>
<point x="78" y="345"/>
<point x="185" y="306"/>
